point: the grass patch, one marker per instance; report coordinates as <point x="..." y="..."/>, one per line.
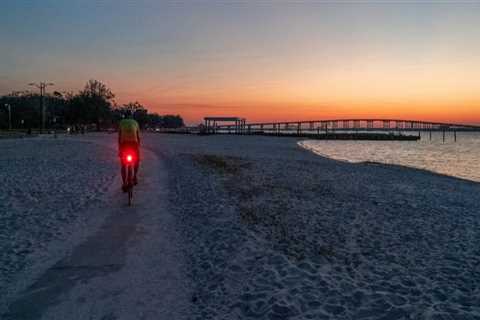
<point x="230" y="165"/>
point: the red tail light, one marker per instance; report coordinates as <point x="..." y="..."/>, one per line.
<point x="129" y="156"/>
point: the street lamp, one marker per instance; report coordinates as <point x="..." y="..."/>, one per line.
<point x="42" y="86"/>
<point x="9" y="107"/>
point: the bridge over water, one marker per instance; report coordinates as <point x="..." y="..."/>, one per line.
<point x="336" y="127"/>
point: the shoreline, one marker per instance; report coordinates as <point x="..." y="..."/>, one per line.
<point x="407" y="167"/>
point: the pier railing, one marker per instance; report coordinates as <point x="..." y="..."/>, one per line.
<point x="354" y="124"/>
<point x="337" y="126"/>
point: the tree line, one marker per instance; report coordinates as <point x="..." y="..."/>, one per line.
<point x="93" y="106"/>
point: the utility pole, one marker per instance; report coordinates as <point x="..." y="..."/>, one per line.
<point x="9" y="107"/>
<point x="42" y="86"/>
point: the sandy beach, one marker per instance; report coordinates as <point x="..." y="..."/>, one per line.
<point x="232" y="227"/>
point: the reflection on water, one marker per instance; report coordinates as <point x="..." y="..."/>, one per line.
<point x="461" y="158"/>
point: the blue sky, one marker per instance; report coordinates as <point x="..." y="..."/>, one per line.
<point x="245" y="55"/>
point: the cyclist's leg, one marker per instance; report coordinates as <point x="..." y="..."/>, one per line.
<point x="123" y="169"/>
<point x="124" y="173"/>
<point x="137" y="164"/>
<point x="135" y="148"/>
<point x="135" y="171"/>
<point x="131" y="146"/>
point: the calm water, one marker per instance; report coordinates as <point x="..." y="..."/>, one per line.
<point x="460" y="159"/>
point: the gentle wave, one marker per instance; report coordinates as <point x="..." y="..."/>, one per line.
<point x="459" y="159"/>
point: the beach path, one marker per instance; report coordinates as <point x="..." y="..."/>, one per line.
<point x="128" y="269"/>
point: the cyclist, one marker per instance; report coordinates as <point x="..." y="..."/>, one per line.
<point x="129" y="139"/>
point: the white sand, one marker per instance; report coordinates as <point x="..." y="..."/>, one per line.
<point x="264" y="230"/>
<point x="47" y="187"/>
<point x="294" y="235"/>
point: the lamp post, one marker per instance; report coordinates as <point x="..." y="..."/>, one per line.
<point x="9" y="107"/>
<point x="54" y="127"/>
<point x="42" y="86"/>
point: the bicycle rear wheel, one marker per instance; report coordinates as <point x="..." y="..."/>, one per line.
<point x="130" y="174"/>
<point x="130" y="196"/>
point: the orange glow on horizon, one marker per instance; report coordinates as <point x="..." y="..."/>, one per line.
<point x="439" y="90"/>
<point x="463" y="112"/>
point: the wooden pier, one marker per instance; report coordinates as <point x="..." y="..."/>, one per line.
<point x="345" y="129"/>
<point x="340" y="129"/>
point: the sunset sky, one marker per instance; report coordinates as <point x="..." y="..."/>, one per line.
<point x="259" y="60"/>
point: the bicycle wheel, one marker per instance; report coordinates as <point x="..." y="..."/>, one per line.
<point x="130" y="184"/>
<point x="130" y="196"/>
